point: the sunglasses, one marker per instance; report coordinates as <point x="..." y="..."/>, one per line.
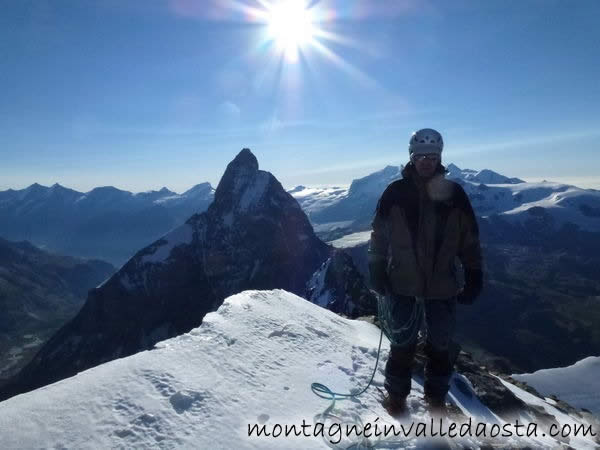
<point x="424" y="156"/>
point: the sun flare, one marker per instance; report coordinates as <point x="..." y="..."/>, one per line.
<point x="291" y="26"/>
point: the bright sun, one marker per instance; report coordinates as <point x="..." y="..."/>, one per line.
<point x="291" y="26"/>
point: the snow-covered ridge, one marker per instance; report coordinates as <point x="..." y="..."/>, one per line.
<point x="491" y="193"/>
<point x="485" y="176"/>
<point x="352" y="240"/>
<point x="376" y="182"/>
<point x="558" y="203"/>
<point x="578" y="384"/>
<point x="315" y="198"/>
<point x="250" y="362"/>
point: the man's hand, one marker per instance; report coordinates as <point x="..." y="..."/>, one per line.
<point x="379" y="279"/>
<point x="466" y="297"/>
<point x="472" y="289"/>
<point x="380" y="284"/>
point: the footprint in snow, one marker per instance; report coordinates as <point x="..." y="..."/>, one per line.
<point x="346" y="370"/>
<point x="285" y="331"/>
<point x="184" y="400"/>
<point x="317" y="332"/>
<point x="322" y="363"/>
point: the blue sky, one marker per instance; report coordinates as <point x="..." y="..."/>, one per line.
<point x="144" y="94"/>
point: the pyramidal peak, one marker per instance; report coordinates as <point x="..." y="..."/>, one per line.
<point x="253" y="236"/>
<point x="241" y="171"/>
<point x="243" y="186"/>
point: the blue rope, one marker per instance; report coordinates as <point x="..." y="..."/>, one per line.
<point x="324" y="392"/>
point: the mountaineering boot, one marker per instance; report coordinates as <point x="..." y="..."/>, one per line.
<point x="438" y="407"/>
<point x="435" y="404"/>
<point x="395" y="406"/>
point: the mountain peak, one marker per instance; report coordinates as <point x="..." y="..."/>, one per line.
<point x="199" y="189"/>
<point x="254" y="235"/>
<point x="35" y="190"/>
<point x="298" y="188"/>
<point x="239" y="173"/>
<point x="35" y="186"/>
<point x="376" y="181"/>
<point x="244" y="160"/>
<point x="59" y="187"/>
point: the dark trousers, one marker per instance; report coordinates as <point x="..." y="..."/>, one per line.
<point x="401" y="319"/>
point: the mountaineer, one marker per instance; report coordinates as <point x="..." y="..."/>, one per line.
<point x="423" y="224"/>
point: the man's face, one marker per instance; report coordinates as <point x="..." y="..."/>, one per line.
<point x="426" y="164"/>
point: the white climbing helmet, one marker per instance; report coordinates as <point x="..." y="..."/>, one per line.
<point x="426" y="140"/>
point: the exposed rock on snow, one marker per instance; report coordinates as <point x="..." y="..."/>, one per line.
<point x="339" y="287"/>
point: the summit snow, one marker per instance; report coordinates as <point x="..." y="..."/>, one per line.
<point x="250" y="365"/>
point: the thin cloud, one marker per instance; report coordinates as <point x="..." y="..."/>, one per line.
<point x="229" y="110"/>
<point x="537" y="139"/>
<point x="368" y="165"/>
<point x="585" y="182"/>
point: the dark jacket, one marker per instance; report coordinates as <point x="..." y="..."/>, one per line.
<point x="419" y="230"/>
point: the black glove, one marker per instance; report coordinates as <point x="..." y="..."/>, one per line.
<point x="466" y="297"/>
<point x="378" y="276"/>
<point x="472" y="289"/>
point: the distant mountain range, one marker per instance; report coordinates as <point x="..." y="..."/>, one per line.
<point x="39" y="292"/>
<point x="254" y="235"/>
<point x="105" y="223"/>
<point x="351" y="209"/>
<point x="541" y="245"/>
<point x="484" y="176"/>
<point x="112" y="224"/>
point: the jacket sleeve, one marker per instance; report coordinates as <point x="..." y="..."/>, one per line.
<point x="470" y="247"/>
<point x="378" y="248"/>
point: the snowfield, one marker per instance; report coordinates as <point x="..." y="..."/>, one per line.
<point x="352" y="240"/>
<point x="316" y="198"/>
<point x="578" y="385"/>
<point x="250" y="363"/>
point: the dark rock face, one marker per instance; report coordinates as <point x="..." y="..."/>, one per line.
<point x="589" y="211"/>
<point x="488" y="388"/>
<point x="359" y="254"/>
<point x="339" y="287"/>
<point x="253" y="236"/>
<point x="476" y="382"/>
<point x="39" y="292"/>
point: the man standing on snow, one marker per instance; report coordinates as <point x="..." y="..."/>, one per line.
<point x="423" y="222"/>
